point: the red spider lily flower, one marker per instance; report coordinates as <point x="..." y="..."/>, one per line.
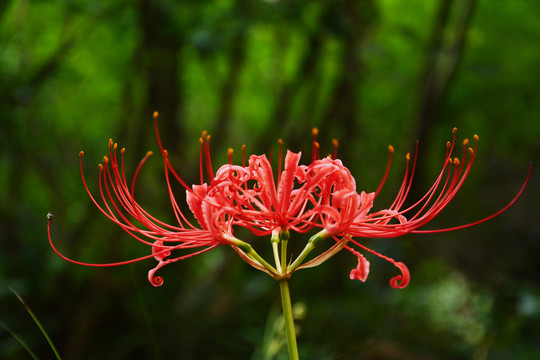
<point x="320" y="195"/>
<point x="396" y="221"/>
<point x="119" y="205"/>
<point x="303" y="193"/>
<point x="323" y="194"/>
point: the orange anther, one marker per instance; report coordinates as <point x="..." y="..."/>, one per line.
<point x="155" y="115"/>
<point x="454" y="130"/>
<point x="391" y="149"/>
<point x="149" y="153"/>
<point x="408" y="156"/>
<point x="314" y="131"/>
<point x="123" y="151"/>
<point x="230" y="152"/>
<point x="105" y="159"/>
<point x="465" y="142"/>
<point x="476" y="138"/>
<point x="81" y="153"/>
<point x="456" y="161"/>
<point x="100" y="167"/>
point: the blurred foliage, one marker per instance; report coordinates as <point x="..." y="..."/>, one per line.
<point x="370" y="73"/>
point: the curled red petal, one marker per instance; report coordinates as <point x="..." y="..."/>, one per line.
<point x="397" y="282"/>
<point x="156" y="280"/>
<point x="401" y="281"/>
<point x="159" y="251"/>
<point x="362" y="269"/>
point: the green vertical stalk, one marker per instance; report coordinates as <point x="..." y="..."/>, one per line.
<point x="284" y="237"/>
<point x="275" y="245"/>
<point x="38" y="324"/>
<point x="289" y="320"/>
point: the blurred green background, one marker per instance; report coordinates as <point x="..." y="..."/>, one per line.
<point x="74" y="73"/>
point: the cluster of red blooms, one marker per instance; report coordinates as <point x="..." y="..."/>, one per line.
<point x="320" y="196"/>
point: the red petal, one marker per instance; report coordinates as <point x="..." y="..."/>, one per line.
<point x="362" y="269"/>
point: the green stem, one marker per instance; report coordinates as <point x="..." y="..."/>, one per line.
<point x="289" y="320"/>
<point x="38" y="324"/>
<point x="275" y="245"/>
<point x="249" y="251"/>
<point x="284" y="236"/>
<point x="312" y="244"/>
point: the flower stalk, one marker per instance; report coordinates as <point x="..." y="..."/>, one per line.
<point x="290" y="331"/>
<point x="313" y="242"/>
<point x="250" y="252"/>
<point x="284" y="237"/>
<point x="275" y="249"/>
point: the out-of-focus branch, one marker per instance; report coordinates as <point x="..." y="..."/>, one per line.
<point x="443" y="54"/>
<point x="229" y="88"/>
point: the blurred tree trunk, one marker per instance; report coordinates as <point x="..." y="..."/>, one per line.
<point x="349" y="21"/>
<point x="20" y="133"/>
<point x="3" y="7"/>
<point x="443" y="54"/>
<point x="305" y="70"/>
<point x="229" y="88"/>
<point x="342" y="111"/>
<point x="157" y="59"/>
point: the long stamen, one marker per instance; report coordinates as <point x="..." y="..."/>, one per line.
<point x="160" y="145"/>
<point x="230" y="152"/>
<point x="168" y="249"/>
<point x="404" y="185"/>
<point x="518" y="195"/>
<point x="280" y="159"/>
<point x="208" y="159"/>
<point x="131" y="206"/>
<point x="314" y="145"/>
<point x="104" y="179"/>
<point x="335" y="145"/>
<point x="389" y="164"/>
<point x="412" y="174"/>
<point x="165" y="155"/>
<point x="201" y="160"/>
<point x="402" y="195"/>
<point x="148" y="154"/>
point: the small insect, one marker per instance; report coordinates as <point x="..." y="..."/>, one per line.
<point x="49" y="216"/>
